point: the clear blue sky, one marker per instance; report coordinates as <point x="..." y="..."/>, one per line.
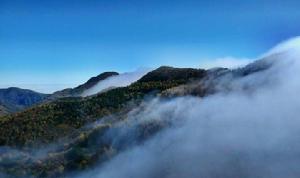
<point x="59" y="43"/>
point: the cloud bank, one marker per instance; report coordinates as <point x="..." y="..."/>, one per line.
<point x="227" y="62"/>
<point x="249" y="128"/>
<point x="226" y="135"/>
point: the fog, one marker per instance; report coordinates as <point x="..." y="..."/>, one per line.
<point x="121" y="80"/>
<point x="249" y="128"/>
<point x="226" y="62"/>
<point x="229" y="134"/>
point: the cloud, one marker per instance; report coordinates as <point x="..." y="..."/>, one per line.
<point x="250" y="129"/>
<point x="228" y="134"/>
<point x="121" y="80"/>
<point x="126" y="79"/>
<point x="227" y="62"/>
<point x="289" y="47"/>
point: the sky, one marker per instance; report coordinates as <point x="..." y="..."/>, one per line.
<point x="54" y="44"/>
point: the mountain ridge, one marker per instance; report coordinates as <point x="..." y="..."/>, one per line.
<point x="84" y="122"/>
<point x="14" y="99"/>
<point x="78" y="111"/>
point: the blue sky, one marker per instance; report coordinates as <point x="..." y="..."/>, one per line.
<point x="49" y="45"/>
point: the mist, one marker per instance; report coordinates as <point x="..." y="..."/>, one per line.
<point x="237" y="133"/>
<point x="250" y="127"/>
<point x="226" y="62"/>
<point x="121" y="80"/>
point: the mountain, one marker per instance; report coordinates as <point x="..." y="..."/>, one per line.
<point x="50" y="121"/>
<point x="77" y="91"/>
<point x="81" y="127"/>
<point x="165" y="124"/>
<point x="16" y="99"/>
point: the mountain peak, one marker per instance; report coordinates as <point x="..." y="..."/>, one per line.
<point x="167" y="73"/>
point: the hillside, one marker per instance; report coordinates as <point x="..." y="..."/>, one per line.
<point x="50" y="121"/>
<point x="81" y="128"/>
<point x="16" y="99"/>
<point x="80" y="145"/>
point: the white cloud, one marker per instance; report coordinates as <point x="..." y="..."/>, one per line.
<point x="231" y="134"/>
<point x="121" y="80"/>
<point x="226" y="62"/>
<point x="236" y="133"/>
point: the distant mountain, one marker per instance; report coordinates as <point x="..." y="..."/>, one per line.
<point x="16" y="99"/>
<point x="77" y="91"/>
